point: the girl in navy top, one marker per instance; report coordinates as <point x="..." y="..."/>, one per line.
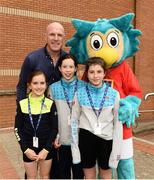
<point x="36" y="127"/>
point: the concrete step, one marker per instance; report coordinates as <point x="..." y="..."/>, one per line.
<point x="143" y="126"/>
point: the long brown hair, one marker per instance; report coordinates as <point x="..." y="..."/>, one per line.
<point x="36" y="73"/>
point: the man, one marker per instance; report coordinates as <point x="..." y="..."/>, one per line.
<point x="44" y="59"/>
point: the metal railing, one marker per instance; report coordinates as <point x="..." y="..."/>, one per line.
<point x="145" y="98"/>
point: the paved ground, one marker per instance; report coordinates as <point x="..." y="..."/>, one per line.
<point x="11" y="166"/>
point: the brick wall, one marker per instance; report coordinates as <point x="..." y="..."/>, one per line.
<point x="22" y="27"/>
<point x="7" y="111"/>
<point x="144" y="58"/>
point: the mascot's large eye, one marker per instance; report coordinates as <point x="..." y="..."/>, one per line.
<point x="113" y="40"/>
<point x="96" y="42"/>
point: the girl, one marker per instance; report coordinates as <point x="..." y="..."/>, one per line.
<point x="36" y="126"/>
<point x="100" y="134"/>
<point x="63" y="93"/>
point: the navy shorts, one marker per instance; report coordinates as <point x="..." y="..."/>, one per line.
<point x="37" y="150"/>
<point x="94" y="148"/>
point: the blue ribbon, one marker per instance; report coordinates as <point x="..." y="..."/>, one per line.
<point x="102" y="102"/>
<point x="66" y="94"/>
<point x="31" y="118"/>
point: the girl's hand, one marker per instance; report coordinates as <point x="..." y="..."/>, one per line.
<point x="57" y="143"/>
<point x="42" y="155"/>
<point x="31" y="154"/>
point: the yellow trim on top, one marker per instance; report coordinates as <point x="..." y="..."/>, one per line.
<point x="36" y="106"/>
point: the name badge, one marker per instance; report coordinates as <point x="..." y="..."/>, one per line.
<point x="97" y="129"/>
<point x="35" y="142"/>
<point x="69" y="119"/>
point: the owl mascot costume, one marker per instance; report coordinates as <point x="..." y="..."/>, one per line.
<point x="114" y="40"/>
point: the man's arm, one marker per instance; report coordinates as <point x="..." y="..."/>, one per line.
<point x="21" y="88"/>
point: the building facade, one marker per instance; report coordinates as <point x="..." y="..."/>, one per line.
<point x="22" y="27"/>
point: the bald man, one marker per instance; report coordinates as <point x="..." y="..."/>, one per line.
<point x="44" y="59"/>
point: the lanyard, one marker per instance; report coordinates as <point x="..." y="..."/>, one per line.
<point x="31" y="118"/>
<point x="66" y="94"/>
<point x="101" y="104"/>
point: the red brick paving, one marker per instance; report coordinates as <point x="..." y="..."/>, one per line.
<point x="147" y="147"/>
<point x="144" y="147"/>
<point x="147" y="135"/>
<point x="7" y="171"/>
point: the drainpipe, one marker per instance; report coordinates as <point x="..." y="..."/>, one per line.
<point x="135" y="12"/>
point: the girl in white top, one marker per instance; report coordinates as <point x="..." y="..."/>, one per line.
<point x="100" y="135"/>
<point x="63" y="93"/>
